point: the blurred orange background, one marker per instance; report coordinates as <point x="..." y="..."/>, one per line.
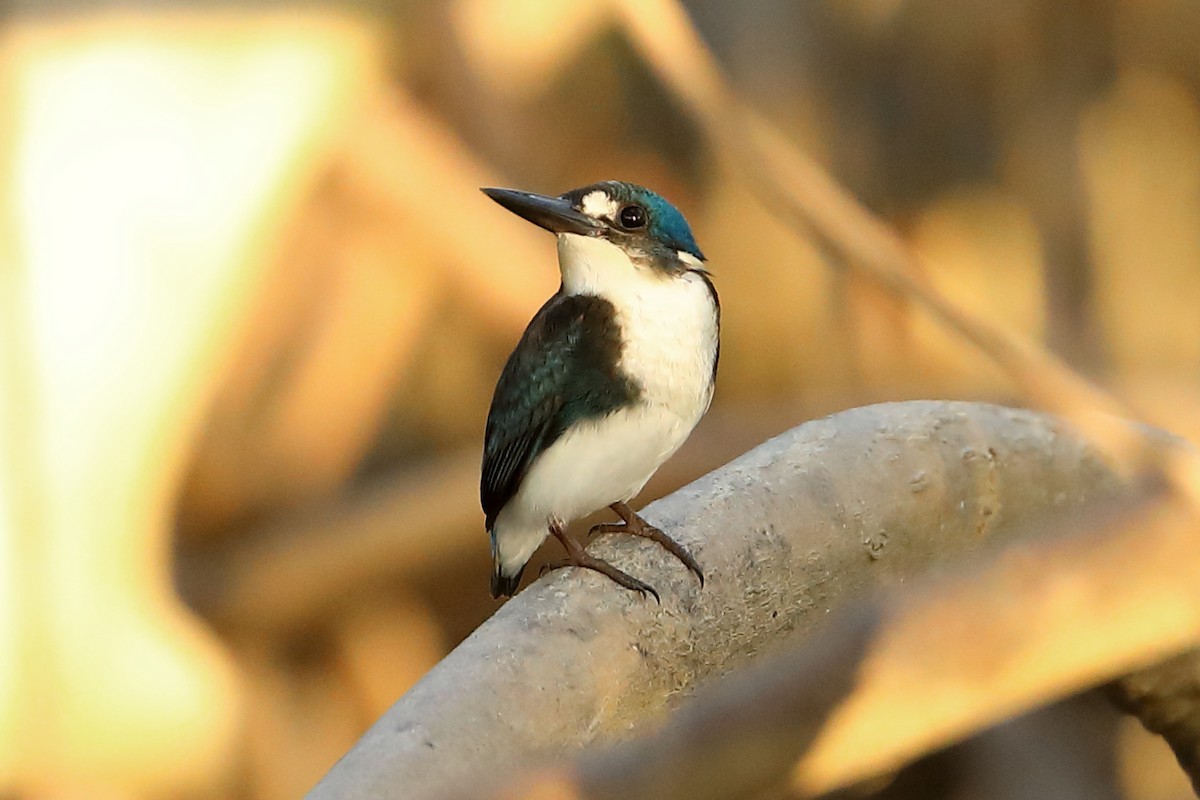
<point x="252" y="308"/>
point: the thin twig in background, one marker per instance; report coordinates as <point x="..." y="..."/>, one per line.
<point x="804" y="194"/>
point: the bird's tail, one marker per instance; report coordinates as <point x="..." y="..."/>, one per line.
<point x="504" y="585"/>
<point x="512" y="546"/>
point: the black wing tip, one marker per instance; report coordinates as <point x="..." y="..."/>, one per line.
<point x="505" y="585"/>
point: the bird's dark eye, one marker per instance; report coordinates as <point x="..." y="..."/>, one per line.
<point x="632" y="217"/>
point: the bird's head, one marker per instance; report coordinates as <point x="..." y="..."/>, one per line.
<point x="641" y="224"/>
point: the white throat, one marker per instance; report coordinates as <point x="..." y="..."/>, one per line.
<point x="668" y="321"/>
<point x="598" y="267"/>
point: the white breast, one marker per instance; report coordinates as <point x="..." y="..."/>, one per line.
<point x="669" y="323"/>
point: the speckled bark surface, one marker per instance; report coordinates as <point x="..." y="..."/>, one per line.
<point x="790" y="530"/>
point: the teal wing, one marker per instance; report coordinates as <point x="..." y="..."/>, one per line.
<point x="563" y="370"/>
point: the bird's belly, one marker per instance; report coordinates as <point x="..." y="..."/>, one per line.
<point x="600" y="462"/>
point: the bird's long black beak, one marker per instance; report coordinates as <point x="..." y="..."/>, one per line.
<point x="552" y="213"/>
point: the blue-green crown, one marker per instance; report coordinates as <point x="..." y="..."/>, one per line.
<point x="666" y="224"/>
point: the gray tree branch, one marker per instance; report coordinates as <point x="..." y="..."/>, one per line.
<point x="831" y="510"/>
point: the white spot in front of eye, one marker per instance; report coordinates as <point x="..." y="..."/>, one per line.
<point x="598" y="205"/>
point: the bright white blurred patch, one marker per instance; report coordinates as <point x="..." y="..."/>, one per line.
<point x="154" y="159"/>
<point x="12" y="582"/>
<point x="691" y="260"/>
<point x="130" y="149"/>
<point x="598" y="205"/>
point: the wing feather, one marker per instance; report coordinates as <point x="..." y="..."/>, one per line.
<point x="562" y="370"/>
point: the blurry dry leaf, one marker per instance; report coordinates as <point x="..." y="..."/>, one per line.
<point x="370" y="258"/>
<point x="518" y="47"/>
<point x="981" y="249"/>
<point x="384" y="647"/>
<point x="1140" y="149"/>
<point x="300" y="716"/>
<point x="412" y="164"/>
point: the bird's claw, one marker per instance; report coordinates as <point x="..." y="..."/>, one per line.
<point x="587" y="561"/>
<point x="639" y="527"/>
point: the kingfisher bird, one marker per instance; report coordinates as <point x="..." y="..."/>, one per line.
<point x="610" y="377"/>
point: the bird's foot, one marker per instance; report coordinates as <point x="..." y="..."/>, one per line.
<point x="578" y="557"/>
<point x="604" y="568"/>
<point x="636" y="526"/>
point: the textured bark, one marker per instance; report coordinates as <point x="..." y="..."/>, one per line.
<point x="828" y="511"/>
<point x="1095" y="595"/>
